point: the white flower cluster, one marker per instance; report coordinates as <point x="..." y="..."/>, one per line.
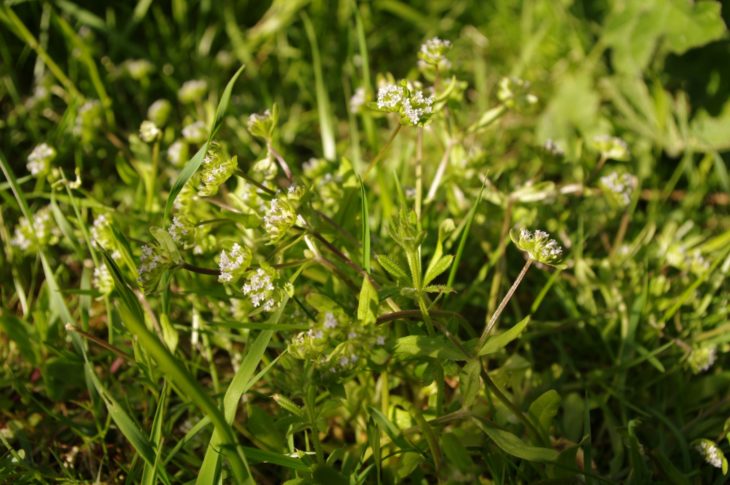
<point x="702" y="358"/>
<point x="260" y="288"/>
<point x="390" y="97"/>
<point x="88" y="119"/>
<point x="40" y="229"/>
<point x="40" y="159"/>
<point x="179" y="230"/>
<point x="279" y="217"/>
<point x="232" y="262"/>
<point x="611" y="147"/>
<point x="433" y="54"/>
<point x="149" y="132"/>
<point x="195" y="132"/>
<point x="539" y="246"/>
<point x="192" y="90"/>
<point x="103" y="280"/>
<point x="330" y="321"/>
<point x="620" y="184"/>
<point x="710" y="452"/>
<point x="176" y="152"/>
<point x="149" y="260"/>
<point x="414" y="107"/>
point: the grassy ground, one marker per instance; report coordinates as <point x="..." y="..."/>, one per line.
<point x="299" y="242"/>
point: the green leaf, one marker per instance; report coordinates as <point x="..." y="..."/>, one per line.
<point x="462" y="239"/>
<point x="435" y="268"/>
<point x="513" y="445"/>
<point x="500" y="341"/>
<point x="545" y="408"/>
<point x="367" y="307"/>
<point x="17" y="331"/>
<point x="194" y="163"/>
<point x="393" y="268"/>
<point x="365" y="226"/>
<point x="423" y="346"/>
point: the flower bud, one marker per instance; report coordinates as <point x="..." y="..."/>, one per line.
<point x="149" y="132"/>
<point x="263" y="125"/>
<point x="159" y="112"/>
<point x="192" y="91"/>
<point x="195" y="133"/>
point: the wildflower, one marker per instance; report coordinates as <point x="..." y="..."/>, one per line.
<point x="701" y="358"/>
<point x="261" y="290"/>
<point x="182" y="231"/>
<point x="32" y="235"/>
<point x="539" y="246"/>
<point x="138" y="69"/>
<point x="432" y="55"/>
<point x="88" y="120"/>
<point x="619" y="187"/>
<point x="234" y="263"/>
<point x="330" y="321"/>
<point x="159" y="111"/>
<point x="152" y="263"/>
<point x="280" y="216"/>
<point x="102" y="235"/>
<point x="149" y="132"/>
<point x="215" y="170"/>
<point x="177" y="153"/>
<point x="263" y="125"/>
<point x="103" y="280"/>
<point x="39" y="160"/>
<point x="195" y="132"/>
<point x="358" y="99"/>
<point x="515" y="93"/>
<point x="610" y="147"/>
<point x="414" y="107"/>
<point x="192" y="91"/>
<point x="712" y="454"/>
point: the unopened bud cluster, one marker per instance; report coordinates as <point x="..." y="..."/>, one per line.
<point x="539" y="246"/>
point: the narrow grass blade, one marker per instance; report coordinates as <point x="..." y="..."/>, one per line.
<point x="326" y="124"/>
<point x="194" y="163"/>
<point x="365" y="232"/>
<point x="462" y="240"/>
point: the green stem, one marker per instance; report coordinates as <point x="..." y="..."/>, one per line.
<point x="419" y="175"/>
<point x="153" y="176"/>
<point x="310" y="402"/>
<point x="382" y="150"/>
<point x="503" y="303"/>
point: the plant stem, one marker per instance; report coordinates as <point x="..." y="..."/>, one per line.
<point x="419" y="175"/>
<point x="248" y="179"/>
<point x="199" y="270"/>
<point x="382" y="151"/>
<point x="310" y="404"/>
<point x="282" y="163"/>
<point x="503" y="303"/>
<point x="439" y="174"/>
<point x="153" y="176"/>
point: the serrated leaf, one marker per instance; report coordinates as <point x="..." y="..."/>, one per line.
<point x="500" y="341"/>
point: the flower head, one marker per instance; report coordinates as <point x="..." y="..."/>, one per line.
<point x="515" y="93"/>
<point x="432" y="55"/>
<point x="539" y="246"/>
<point x="712" y="454"/>
<point x="611" y="147"/>
<point x="39" y="160"/>
<point x="195" y="132"/>
<point x="159" y="111"/>
<point x="149" y="132"/>
<point x="701" y="358"/>
<point x="233" y="263"/>
<point x="215" y="170"/>
<point x="260" y="288"/>
<point x="192" y="91"/>
<point x="177" y="153"/>
<point x="280" y="216"/>
<point x="414" y="107"/>
<point x="36" y="233"/>
<point x="103" y="281"/>
<point x="262" y="125"/>
<point x="618" y="187"/>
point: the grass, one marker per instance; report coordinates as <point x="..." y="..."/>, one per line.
<point x="325" y="263"/>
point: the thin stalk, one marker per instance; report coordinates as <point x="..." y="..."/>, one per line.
<point x="507" y="402"/>
<point x="419" y="175"/>
<point x="439" y="174"/>
<point x="309" y="405"/>
<point x="99" y="342"/>
<point x="383" y="150"/>
<point x="199" y="270"/>
<point x="503" y="303"/>
<point x="256" y="184"/>
<point x="282" y="163"/>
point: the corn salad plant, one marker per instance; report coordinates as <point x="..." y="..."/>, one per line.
<point x="364" y="242"/>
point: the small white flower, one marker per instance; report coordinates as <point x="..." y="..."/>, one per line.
<point x="149" y="132"/>
<point x="175" y="152"/>
<point x="330" y="321"/>
<point x="390" y="97"/>
<point x="40" y="159"/>
<point x="710" y="452"/>
<point x="357" y="100"/>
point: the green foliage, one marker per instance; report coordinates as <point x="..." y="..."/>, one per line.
<point x="313" y="269"/>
